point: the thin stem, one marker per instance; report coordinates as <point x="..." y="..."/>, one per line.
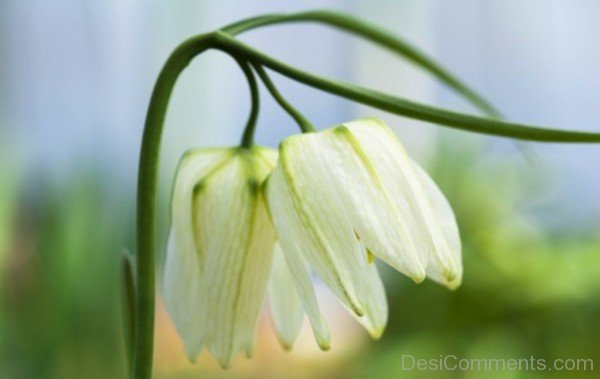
<point x="128" y="286"/>
<point x="402" y="106"/>
<point x="302" y="121"/>
<point x="248" y="136"/>
<point x="146" y="200"/>
<point x="374" y="34"/>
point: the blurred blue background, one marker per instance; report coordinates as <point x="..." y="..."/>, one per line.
<point x="75" y="80"/>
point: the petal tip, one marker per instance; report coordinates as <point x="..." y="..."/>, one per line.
<point x="286" y="346"/>
<point x="454" y="285"/>
<point x="224" y="363"/>
<point x="377" y="333"/>
<point x="357" y="307"/>
<point x="192" y="353"/>
<point x="418" y="277"/>
<point x="453" y="279"/>
<point x="358" y="310"/>
<point x="193" y="359"/>
<point x="324" y="345"/>
<point x="450" y="274"/>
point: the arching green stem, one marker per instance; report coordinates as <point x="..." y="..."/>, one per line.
<point x="248" y="136"/>
<point x="302" y="122"/>
<point x="402" y="106"/>
<point x="374" y="34"/>
<point x="128" y="300"/>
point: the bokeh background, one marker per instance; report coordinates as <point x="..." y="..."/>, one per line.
<point x="75" y="79"/>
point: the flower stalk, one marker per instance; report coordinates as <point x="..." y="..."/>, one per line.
<point x="303" y="123"/>
<point x="248" y="136"/>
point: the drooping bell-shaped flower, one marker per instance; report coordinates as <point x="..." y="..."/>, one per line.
<point x="219" y="251"/>
<point x="344" y="196"/>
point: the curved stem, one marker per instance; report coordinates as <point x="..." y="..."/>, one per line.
<point x="146" y="200"/>
<point x="128" y="286"/>
<point x="302" y="121"/>
<point x="374" y="34"/>
<point x="248" y="136"/>
<point x="402" y="106"/>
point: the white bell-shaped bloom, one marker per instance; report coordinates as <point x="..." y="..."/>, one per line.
<point x="338" y="199"/>
<point x="219" y="251"/>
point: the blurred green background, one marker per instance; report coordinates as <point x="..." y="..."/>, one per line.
<point x="529" y="218"/>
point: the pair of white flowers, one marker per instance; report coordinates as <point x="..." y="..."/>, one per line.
<point x="250" y="222"/>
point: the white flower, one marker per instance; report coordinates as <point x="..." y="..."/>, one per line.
<point x="338" y="199"/>
<point x="219" y="250"/>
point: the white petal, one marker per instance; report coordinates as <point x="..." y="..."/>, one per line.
<point x="181" y="292"/>
<point x="378" y="205"/>
<point x="314" y="224"/>
<point x="238" y="240"/>
<point x="194" y="165"/>
<point x="446" y="220"/>
<point x="287" y="312"/>
<point x="182" y="267"/>
<point x="394" y="171"/>
<point x="290" y="236"/>
<point x="376" y="311"/>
